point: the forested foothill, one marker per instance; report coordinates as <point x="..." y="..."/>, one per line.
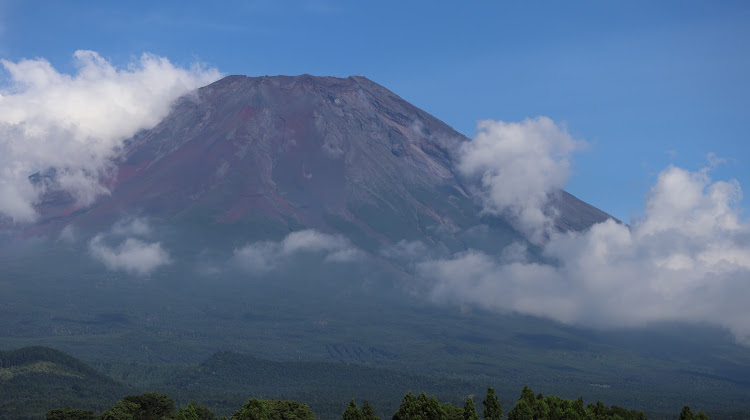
<point x="40" y="382"/>
<point x="154" y="406"/>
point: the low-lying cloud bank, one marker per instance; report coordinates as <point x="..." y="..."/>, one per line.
<point x="126" y="248"/>
<point x="74" y="124"/>
<point x="265" y="256"/>
<point x="687" y="259"/>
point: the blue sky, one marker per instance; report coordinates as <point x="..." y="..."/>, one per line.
<point x="647" y="84"/>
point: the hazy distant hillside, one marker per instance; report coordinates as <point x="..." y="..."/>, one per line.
<point x="36" y="379"/>
<point x="322" y="385"/>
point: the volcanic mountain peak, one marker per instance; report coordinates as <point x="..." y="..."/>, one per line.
<point x="336" y="154"/>
<point x="321" y="117"/>
<point x="299" y="146"/>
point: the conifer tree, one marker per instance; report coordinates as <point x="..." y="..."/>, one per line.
<point x="470" y="410"/>
<point x="521" y="411"/>
<point x="368" y="412"/>
<point x="352" y="412"/>
<point x="528" y="395"/>
<point x="254" y="409"/>
<point x="492" y="408"/>
<point x="420" y="407"/>
<point x="686" y="413"/>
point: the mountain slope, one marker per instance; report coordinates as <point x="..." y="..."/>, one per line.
<point x="36" y="379"/>
<point x="325" y="386"/>
<point x="334" y="154"/>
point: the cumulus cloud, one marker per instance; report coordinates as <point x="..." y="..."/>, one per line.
<point x="520" y="166"/>
<point x="265" y="256"/>
<point x="125" y="248"/>
<point x="687" y="259"/>
<point x="405" y="251"/>
<point x="70" y="126"/>
<point x="132" y="226"/>
<point x="132" y="255"/>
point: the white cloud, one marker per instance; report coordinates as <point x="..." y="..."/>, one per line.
<point x="688" y="203"/>
<point x="687" y="259"/>
<point x="520" y="166"/>
<point x="132" y="226"/>
<point x="132" y="254"/>
<point x="265" y="256"/>
<point x="406" y="251"/>
<point x="68" y="234"/>
<point x="76" y="123"/>
<point x="259" y="257"/>
<point x="345" y="255"/>
<point x="312" y="241"/>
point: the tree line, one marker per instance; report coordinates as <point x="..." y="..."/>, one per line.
<point x="530" y="406"/>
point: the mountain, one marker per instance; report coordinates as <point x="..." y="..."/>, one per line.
<point x="336" y="154"/>
<point x="36" y="379"/>
<point x="194" y="251"/>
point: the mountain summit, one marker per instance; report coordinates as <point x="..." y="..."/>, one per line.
<point x="337" y="154"/>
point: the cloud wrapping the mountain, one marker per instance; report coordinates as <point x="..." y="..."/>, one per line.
<point x="405" y="251"/>
<point x="520" y="165"/>
<point x="75" y="124"/>
<point x="126" y="247"/>
<point x="687" y="259"/>
<point x="265" y="256"/>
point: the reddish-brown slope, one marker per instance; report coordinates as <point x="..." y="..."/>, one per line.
<point x="299" y="151"/>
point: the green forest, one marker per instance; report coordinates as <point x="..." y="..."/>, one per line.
<point x="41" y="382"/>
<point x="530" y="406"/>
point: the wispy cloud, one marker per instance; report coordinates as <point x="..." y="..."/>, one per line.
<point x="75" y="124"/>
<point x="132" y="226"/>
<point x="132" y="255"/>
<point x="68" y="234"/>
<point x="406" y="251"/>
<point x="126" y="248"/>
<point x="265" y="256"/>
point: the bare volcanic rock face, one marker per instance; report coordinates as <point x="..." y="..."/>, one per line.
<point x="298" y="151"/>
<point x="340" y="155"/>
